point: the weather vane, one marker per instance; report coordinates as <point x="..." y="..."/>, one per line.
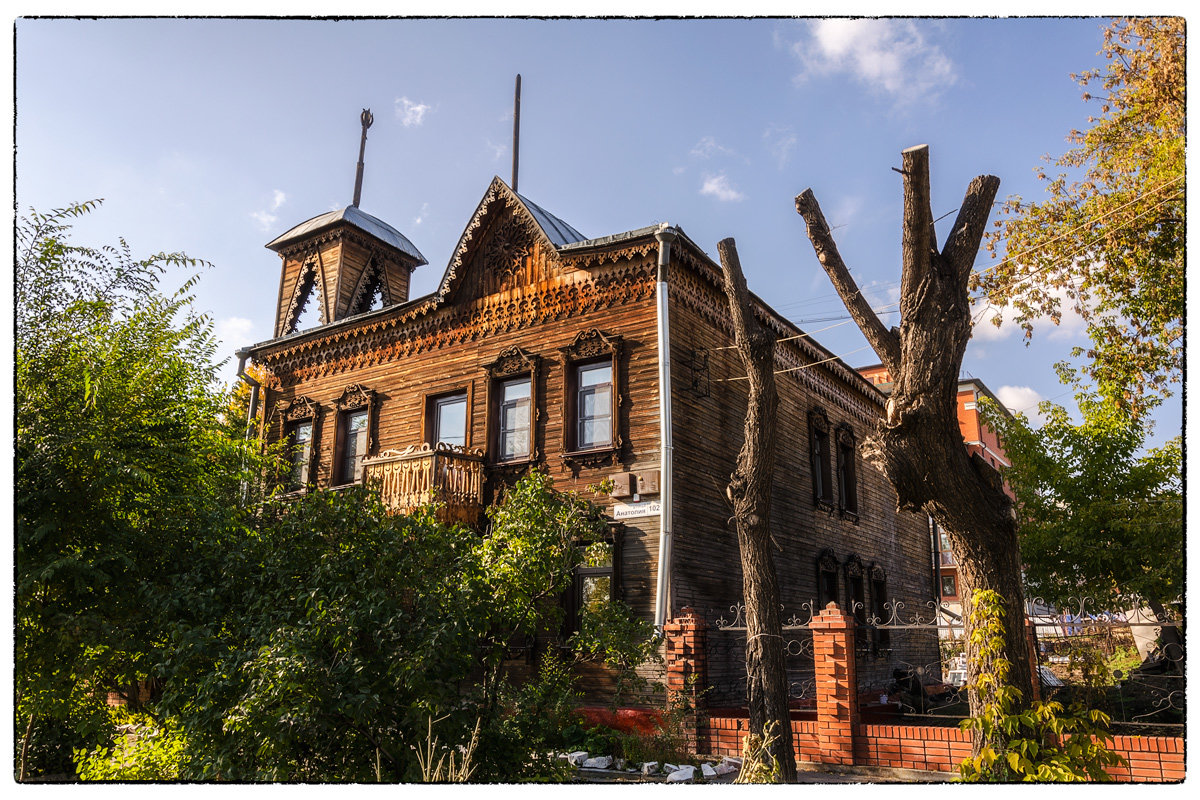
<point x="366" y="118"/>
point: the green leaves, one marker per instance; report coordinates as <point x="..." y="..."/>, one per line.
<point x="1098" y="517"/>
<point x="1109" y="240"/>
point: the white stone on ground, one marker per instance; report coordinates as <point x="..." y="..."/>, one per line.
<point x="708" y="771"/>
<point x="649" y="767"/>
<point x="577" y="758"/>
<point x="599" y="762"/>
<point x="684" y="773"/>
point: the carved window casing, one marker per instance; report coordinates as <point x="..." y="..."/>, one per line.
<point x="592" y="378"/>
<point x="354" y="437"/>
<point x="514" y="406"/>
<point x="820" y="457"/>
<point x="847" y="473"/>
<point x="300" y="420"/>
<point x="827" y="579"/>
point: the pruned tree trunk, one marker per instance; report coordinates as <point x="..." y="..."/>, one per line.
<point x="750" y="492"/>
<point x="919" y="446"/>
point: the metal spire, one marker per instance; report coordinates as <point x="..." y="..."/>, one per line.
<point x="366" y="118"/>
<point x="516" y="146"/>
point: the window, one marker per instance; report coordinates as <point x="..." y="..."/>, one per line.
<point x="827" y="580"/>
<point x="447" y="419"/>
<point x="514" y="421"/>
<point x="597" y="579"/>
<point x="879" y="610"/>
<point x="856" y="600"/>
<point x="949" y="586"/>
<point x="299" y="420"/>
<point x="847" y="479"/>
<point x="819" y="452"/>
<point x="513" y="406"/>
<point x="353" y="437"/>
<point x="353" y="442"/>
<point x="592" y="393"/>
<point x="593" y="406"/>
<point x="299" y="454"/>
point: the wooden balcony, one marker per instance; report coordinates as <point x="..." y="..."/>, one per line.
<point x="452" y="476"/>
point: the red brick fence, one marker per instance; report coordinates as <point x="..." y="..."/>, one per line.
<point x="838" y="736"/>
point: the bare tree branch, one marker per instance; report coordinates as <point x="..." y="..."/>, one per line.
<point x="885" y="342"/>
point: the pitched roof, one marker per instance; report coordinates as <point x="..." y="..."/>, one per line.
<point x="351" y="215"/>
<point x="559" y="232"/>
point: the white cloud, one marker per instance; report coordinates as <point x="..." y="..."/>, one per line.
<point x="718" y="186"/>
<point x="780" y="141"/>
<point x="1021" y="399"/>
<point x="409" y="113"/>
<point x="1070" y="325"/>
<point x="497" y="149"/>
<point x="234" y="331"/>
<point x="888" y="55"/>
<point x="708" y="147"/>
<point x="420" y="217"/>
<point x="266" y="218"/>
<point x="679" y="170"/>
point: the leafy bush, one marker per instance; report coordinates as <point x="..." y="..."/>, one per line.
<point x="142" y="750"/>
<point x="1042" y="743"/>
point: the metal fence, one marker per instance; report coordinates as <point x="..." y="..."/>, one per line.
<point x="910" y="662"/>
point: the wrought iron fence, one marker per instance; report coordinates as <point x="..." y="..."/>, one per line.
<point x="1086" y="657"/>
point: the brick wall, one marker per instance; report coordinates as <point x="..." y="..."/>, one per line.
<point x="839" y="737"/>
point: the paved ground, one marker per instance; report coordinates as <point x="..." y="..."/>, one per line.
<point x="861" y="775"/>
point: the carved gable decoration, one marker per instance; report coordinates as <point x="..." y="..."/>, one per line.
<point x="854" y="567"/>
<point x="818" y="421"/>
<point x="592" y="343"/>
<point x="510" y="243"/>
<point x="827" y="561"/>
<point x="512" y="361"/>
<point x="877" y="573"/>
<point x="502" y="240"/>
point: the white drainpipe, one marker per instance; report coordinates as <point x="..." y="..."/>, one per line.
<point x="665" y="235"/>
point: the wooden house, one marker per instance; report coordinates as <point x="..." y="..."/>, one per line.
<point x="543" y="348"/>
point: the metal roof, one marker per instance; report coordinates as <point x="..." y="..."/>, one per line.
<point x="359" y="219"/>
<point x="559" y="232"/>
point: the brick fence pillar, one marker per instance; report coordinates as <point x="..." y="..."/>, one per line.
<point x="837" y="685"/>
<point x="1036" y="678"/>
<point x="686" y="667"/>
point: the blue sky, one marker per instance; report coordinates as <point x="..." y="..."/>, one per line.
<point x="214" y="136"/>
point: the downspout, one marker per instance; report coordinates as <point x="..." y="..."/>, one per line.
<point x="254" y="385"/>
<point x="242" y="355"/>
<point x="665" y="235"/>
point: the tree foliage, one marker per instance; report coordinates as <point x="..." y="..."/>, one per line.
<point x="1109" y="239"/>
<point x="1098" y="517"/>
<point x="123" y="460"/>
<point x="319" y="643"/>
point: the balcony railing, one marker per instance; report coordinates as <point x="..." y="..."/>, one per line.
<point x="451" y="475"/>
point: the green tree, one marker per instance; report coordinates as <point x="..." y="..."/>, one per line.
<point x="122" y="461"/>
<point x="1109" y="239"/>
<point x="1099" y="517"/>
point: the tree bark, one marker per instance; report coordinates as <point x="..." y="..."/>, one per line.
<point x="750" y="492"/>
<point x="918" y="446"/>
